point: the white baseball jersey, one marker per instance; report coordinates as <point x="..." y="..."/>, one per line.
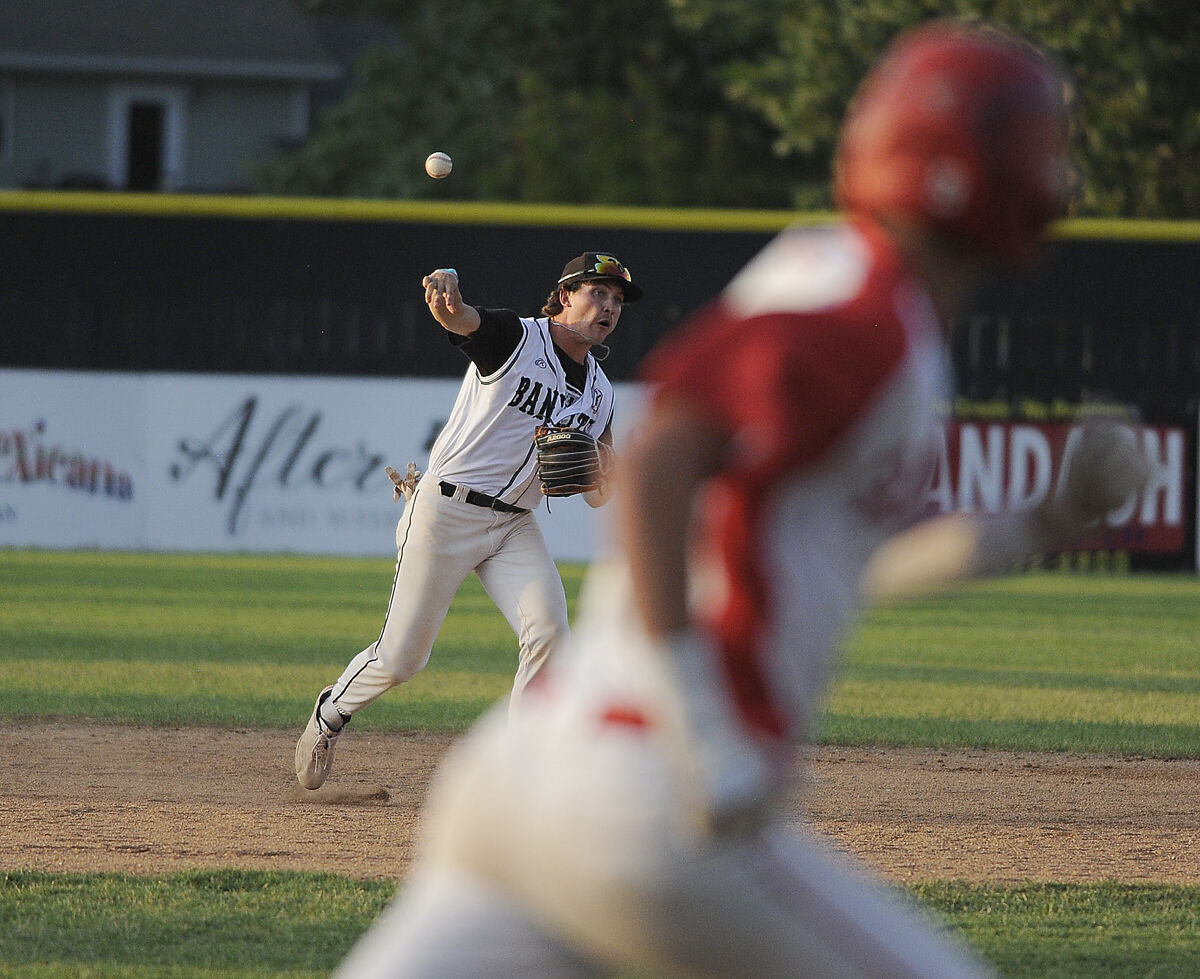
<point x="487" y="443"/>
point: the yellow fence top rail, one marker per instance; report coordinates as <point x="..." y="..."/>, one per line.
<point x="489" y="212"/>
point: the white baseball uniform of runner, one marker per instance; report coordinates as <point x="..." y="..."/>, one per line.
<point x="573" y="840"/>
<point x="486" y="447"/>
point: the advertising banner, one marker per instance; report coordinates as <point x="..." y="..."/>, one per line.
<point x="993" y="467"/>
<point x="72" y="460"/>
<point x="257" y="463"/>
<point x="282" y="464"/>
<point x="224" y="462"/>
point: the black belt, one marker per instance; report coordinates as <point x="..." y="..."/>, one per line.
<point x="475" y="498"/>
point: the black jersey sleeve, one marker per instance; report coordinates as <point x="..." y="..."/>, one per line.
<point x="490" y="346"/>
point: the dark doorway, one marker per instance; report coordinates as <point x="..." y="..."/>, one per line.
<point x="146" y="149"/>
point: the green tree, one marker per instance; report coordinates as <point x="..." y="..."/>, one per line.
<point x="1133" y="61"/>
<point x="536" y="102"/>
<point x="718" y="102"/>
<point x="443" y="88"/>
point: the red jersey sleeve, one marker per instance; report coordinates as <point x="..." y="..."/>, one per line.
<point x="782" y="386"/>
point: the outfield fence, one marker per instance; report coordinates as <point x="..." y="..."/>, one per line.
<point x="295" y="332"/>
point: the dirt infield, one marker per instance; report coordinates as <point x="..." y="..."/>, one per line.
<point x="89" y="797"/>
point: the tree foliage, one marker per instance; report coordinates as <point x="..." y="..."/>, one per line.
<point x="1132" y="61"/>
<point x="535" y="101"/>
<point x="719" y="102"/>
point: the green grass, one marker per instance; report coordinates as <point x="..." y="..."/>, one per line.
<point x="1040" y="662"/>
<point x="187" y="639"/>
<point x="1056" y="931"/>
<point x="211" y="923"/>
<point x="271" y="925"/>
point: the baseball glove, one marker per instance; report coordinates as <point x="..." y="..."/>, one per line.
<point x="568" y="461"/>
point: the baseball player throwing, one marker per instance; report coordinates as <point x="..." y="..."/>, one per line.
<point x="628" y="819"/>
<point x="473" y="508"/>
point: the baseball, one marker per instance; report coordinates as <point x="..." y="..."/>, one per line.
<point x="438" y="165"/>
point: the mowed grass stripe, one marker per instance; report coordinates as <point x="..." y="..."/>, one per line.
<point x="1004" y="701"/>
<point x="234" y="923"/>
<point x="1165" y="742"/>
<point x="1060" y="931"/>
<point x="260" y="924"/>
<point x="1043" y="661"/>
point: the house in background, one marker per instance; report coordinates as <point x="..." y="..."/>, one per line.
<point x="185" y="95"/>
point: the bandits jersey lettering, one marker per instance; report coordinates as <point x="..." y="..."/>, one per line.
<point x="487" y="443"/>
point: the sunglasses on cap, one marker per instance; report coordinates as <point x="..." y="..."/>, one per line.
<point x="605" y="265"/>
<point x="600" y="265"/>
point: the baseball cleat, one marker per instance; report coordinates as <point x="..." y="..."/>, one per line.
<point x="314" y="750"/>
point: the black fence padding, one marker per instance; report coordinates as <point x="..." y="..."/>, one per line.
<point x="1108" y="320"/>
<point x="296" y="297"/>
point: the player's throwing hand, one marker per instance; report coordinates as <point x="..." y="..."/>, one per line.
<point x="442" y="295"/>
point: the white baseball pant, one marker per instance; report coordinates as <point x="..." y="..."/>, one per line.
<point x="556" y="848"/>
<point x="439" y="542"/>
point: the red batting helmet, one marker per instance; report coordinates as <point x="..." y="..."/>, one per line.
<point x="964" y="130"/>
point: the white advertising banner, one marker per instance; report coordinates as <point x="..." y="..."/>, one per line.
<point x="72" y="460"/>
<point x="188" y="462"/>
<point x="281" y="464"/>
<point x="185" y="462"/>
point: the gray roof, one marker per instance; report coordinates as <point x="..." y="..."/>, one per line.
<point x="229" y="38"/>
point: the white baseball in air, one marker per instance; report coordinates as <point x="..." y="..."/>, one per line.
<point x="438" y="165"/>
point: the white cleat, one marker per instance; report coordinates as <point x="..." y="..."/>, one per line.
<point x="314" y="750"/>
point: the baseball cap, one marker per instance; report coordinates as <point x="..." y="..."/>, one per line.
<point x="599" y="265"/>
